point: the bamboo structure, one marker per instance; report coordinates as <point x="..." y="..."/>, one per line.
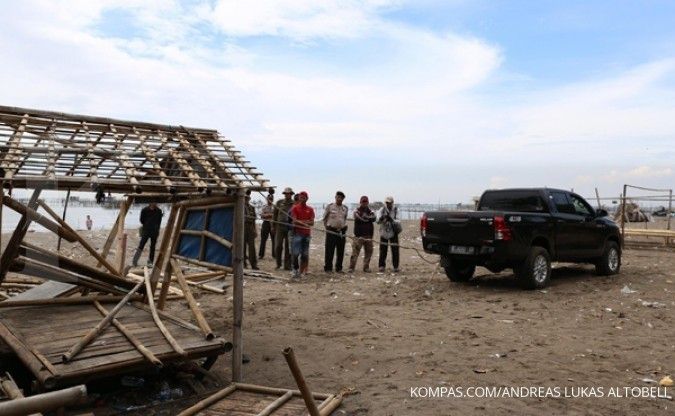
<point x="193" y="169"/>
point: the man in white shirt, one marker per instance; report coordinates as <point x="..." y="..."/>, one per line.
<point x="335" y="221"/>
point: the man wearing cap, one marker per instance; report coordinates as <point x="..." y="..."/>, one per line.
<point x="364" y="218"/>
<point x="303" y="219"/>
<point x="266" y="229"/>
<point x="281" y="222"/>
<point x="389" y="229"/>
<point x="335" y="221"/>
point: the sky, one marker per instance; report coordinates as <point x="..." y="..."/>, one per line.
<point x="428" y="101"/>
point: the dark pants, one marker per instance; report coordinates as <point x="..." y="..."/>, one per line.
<point x="141" y="246"/>
<point x="335" y="242"/>
<point x="265" y="232"/>
<point x="249" y="246"/>
<point x="384" y="243"/>
<point x="282" y="247"/>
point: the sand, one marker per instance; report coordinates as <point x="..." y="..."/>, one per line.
<point x="377" y="336"/>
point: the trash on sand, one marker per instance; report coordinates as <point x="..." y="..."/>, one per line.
<point x="653" y="304"/>
<point x="648" y="380"/>
<point x="627" y="291"/>
<point x="666" y="382"/>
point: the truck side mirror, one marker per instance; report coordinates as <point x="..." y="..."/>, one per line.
<point x="601" y="213"/>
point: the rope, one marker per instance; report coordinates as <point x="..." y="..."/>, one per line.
<point x="419" y="253"/>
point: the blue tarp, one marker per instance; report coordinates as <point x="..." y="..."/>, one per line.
<point x="221" y="223"/>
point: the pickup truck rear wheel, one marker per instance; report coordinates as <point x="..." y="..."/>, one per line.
<point x="459" y="272"/>
<point x="535" y="271"/>
<point x="610" y="261"/>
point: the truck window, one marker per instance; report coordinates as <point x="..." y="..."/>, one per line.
<point x="580" y="206"/>
<point x="518" y="201"/>
<point x="562" y="203"/>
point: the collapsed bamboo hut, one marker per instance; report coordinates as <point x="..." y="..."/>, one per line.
<point x="197" y="171"/>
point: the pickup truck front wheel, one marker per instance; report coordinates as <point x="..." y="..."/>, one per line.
<point x="459" y="272"/>
<point x="610" y="262"/>
<point x="535" y="272"/>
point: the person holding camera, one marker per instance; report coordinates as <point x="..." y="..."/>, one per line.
<point x="335" y="221"/>
<point x="390" y="228"/>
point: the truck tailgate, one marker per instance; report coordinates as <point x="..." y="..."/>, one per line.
<point x="467" y="228"/>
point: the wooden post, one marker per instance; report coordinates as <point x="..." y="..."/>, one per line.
<point x="2" y="196"/>
<point x="163" y="245"/>
<point x="124" y="207"/>
<point x="166" y="282"/>
<point x="19" y="233"/>
<point x="43" y="402"/>
<point x="155" y="316"/>
<point x="65" y="208"/>
<point x="238" y="285"/>
<point x="670" y="206"/>
<point x="597" y="197"/>
<point x="289" y="355"/>
<point x="121" y="239"/>
<point x="623" y="210"/>
<point x="192" y="303"/>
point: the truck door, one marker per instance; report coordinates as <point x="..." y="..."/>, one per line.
<point x="592" y="240"/>
<point x="570" y="228"/>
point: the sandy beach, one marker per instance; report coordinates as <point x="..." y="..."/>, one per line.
<point x="376" y="335"/>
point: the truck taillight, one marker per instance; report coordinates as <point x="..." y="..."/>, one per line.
<point x="502" y="231"/>
<point x="423" y="225"/>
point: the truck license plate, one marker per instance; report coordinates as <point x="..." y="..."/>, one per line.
<point x="461" y="250"/>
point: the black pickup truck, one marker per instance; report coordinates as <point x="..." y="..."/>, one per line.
<point x="524" y="230"/>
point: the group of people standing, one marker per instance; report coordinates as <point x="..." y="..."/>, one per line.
<point x="288" y="224"/>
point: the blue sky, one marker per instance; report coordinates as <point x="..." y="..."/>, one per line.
<point x="425" y="100"/>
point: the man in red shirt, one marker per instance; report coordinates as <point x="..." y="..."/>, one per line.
<point x="303" y="219"/>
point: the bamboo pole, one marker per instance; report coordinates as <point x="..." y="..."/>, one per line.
<point x="238" y="286"/>
<point x="43" y="402"/>
<point x="203" y="404"/>
<point x="275" y="390"/>
<point x="65" y="209"/>
<point x="209" y="234"/>
<point x="289" y="355"/>
<point x="28" y="358"/>
<point x="171" y="290"/>
<point x="47" y="271"/>
<point x="166" y="282"/>
<point x="38" y="218"/>
<point x="194" y="277"/>
<point x="124" y="206"/>
<point x="78" y="300"/>
<point x="163" y="245"/>
<point x="202" y="263"/>
<point x="275" y="405"/>
<point x="10" y="388"/>
<point x="9" y="254"/>
<point x="134" y="341"/>
<point x="39" y="254"/>
<point x="151" y="303"/>
<point x="331" y="405"/>
<point x="93" y="333"/>
<point x="2" y="197"/>
<point x="78" y="237"/>
<point x="670" y="206"/>
<point x="194" y="307"/>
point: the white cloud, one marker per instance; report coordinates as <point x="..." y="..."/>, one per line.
<point x="298" y="19"/>
<point x="649" y="172"/>
<point x="411" y="99"/>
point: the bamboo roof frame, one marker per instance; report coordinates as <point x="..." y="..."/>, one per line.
<point x="63" y="151"/>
